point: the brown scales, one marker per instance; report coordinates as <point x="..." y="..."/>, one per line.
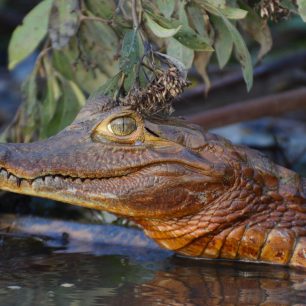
<point x="193" y="192"/>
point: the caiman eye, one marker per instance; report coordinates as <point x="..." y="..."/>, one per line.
<point x="122" y="126"/>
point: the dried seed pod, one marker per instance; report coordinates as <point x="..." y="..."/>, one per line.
<point x="158" y="96"/>
<point x="272" y="9"/>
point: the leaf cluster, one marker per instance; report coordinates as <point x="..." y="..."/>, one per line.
<point x="86" y="43"/>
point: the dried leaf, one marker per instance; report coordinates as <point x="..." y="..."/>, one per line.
<point x="24" y="126"/>
<point x="64" y="22"/>
<point x="27" y="36"/>
<point x="201" y="61"/>
<point x="259" y="30"/>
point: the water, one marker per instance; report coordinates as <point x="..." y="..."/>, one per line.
<point x="33" y="273"/>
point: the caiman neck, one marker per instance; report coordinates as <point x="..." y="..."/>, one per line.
<point x="261" y="218"/>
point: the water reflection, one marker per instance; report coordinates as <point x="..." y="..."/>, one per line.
<point x="32" y="274"/>
<point x="224" y="284"/>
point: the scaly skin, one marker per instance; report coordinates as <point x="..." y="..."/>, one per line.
<point x="191" y="191"/>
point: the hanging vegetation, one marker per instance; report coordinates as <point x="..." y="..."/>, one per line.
<point x="137" y="52"/>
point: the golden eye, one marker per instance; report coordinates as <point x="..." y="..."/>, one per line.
<point x="122" y="126"/>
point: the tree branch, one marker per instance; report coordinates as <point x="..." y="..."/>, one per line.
<point x="271" y="105"/>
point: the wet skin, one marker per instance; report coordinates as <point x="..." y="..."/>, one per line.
<point x="193" y="192"/>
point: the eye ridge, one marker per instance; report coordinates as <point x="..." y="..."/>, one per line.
<point x="122" y="126"/>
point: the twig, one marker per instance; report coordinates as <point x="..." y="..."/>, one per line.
<point x="271" y="105"/>
<point x="134" y="15"/>
<point x="41" y="55"/>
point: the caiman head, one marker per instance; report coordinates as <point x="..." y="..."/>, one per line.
<point x="191" y="191"/>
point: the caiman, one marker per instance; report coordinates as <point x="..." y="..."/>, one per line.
<point x="191" y="191"/>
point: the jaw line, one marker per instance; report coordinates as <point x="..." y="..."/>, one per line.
<point x="13" y="183"/>
<point x="68" y="189"/>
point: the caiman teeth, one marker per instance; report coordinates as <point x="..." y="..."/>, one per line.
<point x="10" y="177"/>
<point x="46" y="179"/>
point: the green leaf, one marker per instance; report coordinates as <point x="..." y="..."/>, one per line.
<point x="186" y="35"/>
<point x="228" y="12"/>
<point x="182" y="12"/>
<point x="109" y="88"/>
<point x="234" y="13"/>
<point x="223" y="41"/>
<point x="166" y="7"/>
<point x="68" y="106"/>
<point x="220" y="3"/>
<point x="89" y="60"/>
<point x="131" y="51"/>
<point x="158" y="30"/>
<point x="106" y="9"/>
<point x="180" y="52"/>
<point x="100" y="44"/>
<point x="64" y="22"/>
<point x="80" y="97"/>
<point x="87" y="79"/>
<point x="288" y="4"/>
<point x="29" y="90"/>
<point x="241" y="50"/>
<point x="27" y="36"/>
<point x="53" y="94"/>
<point x="197" y="19"/>
<point x="242" y="54"/>
<point x="130" y="79"/>
<point x="61" y="62"/>
<point x="102" y="8"/>
<point x="302" y="8"/>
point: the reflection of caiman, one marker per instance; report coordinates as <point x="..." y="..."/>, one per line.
<point x="192" y="192"/>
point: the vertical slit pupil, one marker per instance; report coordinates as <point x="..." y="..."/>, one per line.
<point x="123" y="126"/>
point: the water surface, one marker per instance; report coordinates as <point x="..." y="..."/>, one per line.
<point x="35" y="273"/>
